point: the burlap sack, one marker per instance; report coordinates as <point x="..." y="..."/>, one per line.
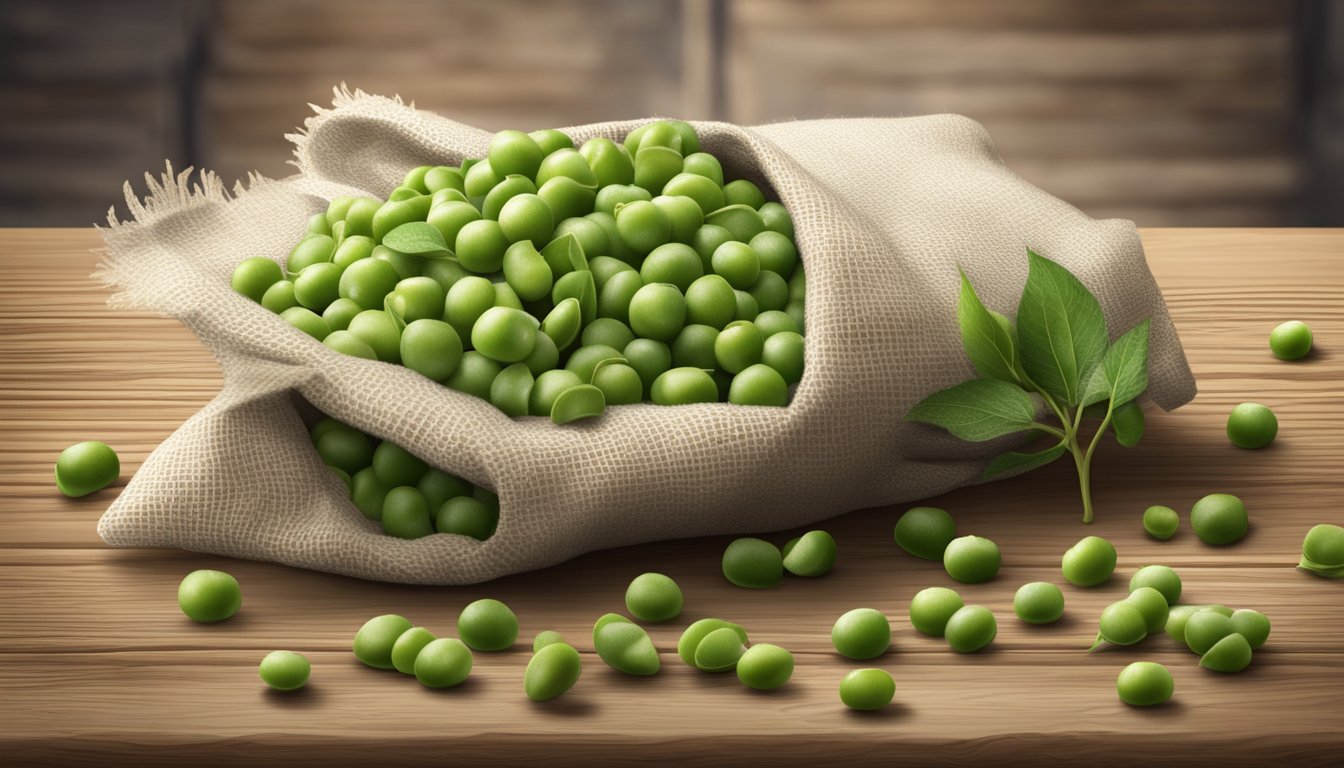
<point x="885" y="212"/>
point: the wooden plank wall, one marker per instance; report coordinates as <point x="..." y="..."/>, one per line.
<point x="1167" y="113"/>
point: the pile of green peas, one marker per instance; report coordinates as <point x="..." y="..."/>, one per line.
<point x="398" y="490"/>
<point x="554" y="281"/>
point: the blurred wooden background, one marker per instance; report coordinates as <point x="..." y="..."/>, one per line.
<point x="1200" y="112"/>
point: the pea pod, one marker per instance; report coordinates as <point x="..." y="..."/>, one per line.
<point x="565" y="254"/>
<point x="581" y="402"/>
<point x="580" y="287"/>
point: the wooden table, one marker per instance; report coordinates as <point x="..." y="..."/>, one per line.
<point x="98" y="666"/>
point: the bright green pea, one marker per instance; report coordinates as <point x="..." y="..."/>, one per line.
<point x="474" y="375"/>
<point x="752" y="563"/>
<point x="655" y="166"/>
<point x="505" y="335"/>
<point x="487" y="625"/>
<point x="738" y="347"/>
<point x="548" y="387"/>
<point x="1230" y="654"/>
<point x="642" y="226"/>
<point x="431" y="348"/>
<point x="279" y="297"/>
<point x="625" y="647"/>
<point x="1161" y="578"/>
<point x="586" y="359"/>
<point x="1177" y="616"/>
<point x="480" y="246"/>
<point x="443" y="663"/>
<point x="609" y="197"/>
<point x="776" y="252"/>
<point x="376" y="328"/>
<point x="345" y="448"/>
<point x="527" y="217"/>
<point x="394" y="213"/>
<point x="765" y="667"/>
<point x="684" y="386"/>
<point x="694" y="347"/>
<point x="649" y="358"/>
<point x="318" y="285"/>
<point x="1161" y="522"/>
<point x="708" y="195"/>
<point x="566" y="162"/>
<point x="374" y="641"/>
<point x="582" y="402"/>
<point x="310" y="250"/>
<point x="607" y="332"/>
<point x="566" y="198"/>
<point x="591" y="236"/>
<point x="503" y="192"/>
<point x="1252" y="625"/>
<point x="771" y="293"/>
<point x="253" y="276"/>
<point x="479" y="178"/>
<point x="743" y="192"/>
<point x="367" y="282"/>
<point x="812" y="554"/>
<point x="451" y="216"/>
<point x="747" y="308"/>
<point x="404" y="264"/>
<point x="614" y="299"/>
<point x="758" y="384"/>
<point x="704" y="164"/>
<point x="86" y="467"/>
<point x="554" y="669"/>
<point x="1205" y="628"/>
<point x="1252" y="425"/>
<point x="447" y="195"/>
<point x="620" y="384"/>
<point x="972" y="559"/>
<point x="352" y="249"/>
<point x="698" y="631"/>
<point x="863" y="633"/>
<point x="405" y="514"/>
<point x="347" y="343"/>
<point x="408" y="646"/>
<point x="339" y="313"/>
<point x="368" y="493"/>
<point x="565" y="254"/>
<point x="284" y="670"/>
<point x="604" y="268"/>
<point x="417" y="298"/>
<point x="777" y="219"/>
<point x="415" y="179"/>
<point x="719" y="651"/>
<point x="1121" y="623"/>
<point x="1219" y="518"/>
<point x="550" y="140"/>
<point x="658" y="312"/>
<point x="773" y="321"/>
<point x="609" y="161"/>
<point x="867" y="689"/>
<point x="709" y="301"/>
<point x="548" y="637"/>
<point x="615" y="247"/>
<point x="442" y="178"/>
<point x="466" y="301"/>
<point x="403" y="193"/>
<point x="742" y="221"/>
<point x="673" y="263"/>
<point x="1152" y="605"/>
<point x="685" y="216"/>
<point x="359" y="217"/>
<point x="706" y="241"/>
<point x="971" y="628"/>
<point x="653" y="597"/>
<point x="1144" y="684"/>
<point x="737" y="263"/>
<point x="207" y="596"/>
<point x="466" y="516"/>
<point x="1038" y="602"/>
<point x="514" y="152"/>
<point x="932" y="607"/>
<point x="308" y="322"/>
<point x="1089" y="562"/>
<point x="1291" y="340"/>
<point x="337" y="208"/>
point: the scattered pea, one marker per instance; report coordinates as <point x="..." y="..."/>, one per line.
<point x="1159" y="577"/>
<point x="1252" y="425"/>
<point x="285" y="670"/>
<point x="408" y="646"/>
<point x="208" y="596"/>
<point x="1038" y="602"/>
<point x="1290" y="340"/>
<point x="1219" y="518"/>
<point x="443" y="663"/>
<point x="972" y="559"/>
<point x="863" y="633"/>
<point x="753" y="563"/>
<point x="487" y="625"/>
<point x="1205" y="628"/>
<point x="1161" y="522"/>
<point x="625" y="647"/>
<point x="1089" y="562"/>
<point x="765" y="667"/>
<point x="653" y="597"/>
<point x="925" y="532"/>
<point x="971" y="628"/>
<point x="374" y="641"/>
<point x="1252" y="625"/>
<point x="867" y="689"/>
<point x="1144" y="684"/>
<point x="932" y="607"/>
<point x="1152" y="605"/>
<point x="553" y="670"/>
<point x="1121" y="623"/>
<point x="719" y="651"/>
<point x="698" y="631"/>
<point x="1232" y="653"/>
<point x="1323" y="551"/>
<point x="812" y="554"/>
<point x="86" y="468"/>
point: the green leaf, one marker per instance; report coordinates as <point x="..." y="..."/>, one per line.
<point x="417" y="238"/>
<point x="977" y="410"/>
<point x="1011" y="329"/>
<point x="985" y="338"/>
<point x="1013" y="460"/>
<point x="1123" y="373"/>
<point x="1060" y="328"/>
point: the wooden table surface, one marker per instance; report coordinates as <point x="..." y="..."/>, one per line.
<point x="98" y="666"/>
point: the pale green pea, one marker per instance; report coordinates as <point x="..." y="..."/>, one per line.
<point x="374" y="641"/>
<point x="550" y="140"/>
<point x="284" y="670"/>
<point x="563" y="322"/>
<point x="591" y="236"/>
<point x="579" y="286"/>
<point x="408" y="646"/>
<point x="752" y="563"/>
<point x="1205" y="628"/>
<point x="451" y="216"/>
<point x="444" y="663"/>
<point x="1089" y="562"/>
<point x="504" y="335"/>
<point x="708" y="195"/>
<point x="208" y="596"/>
<point x="653" y="597"/>
<point x="719" y="651"/>
<point x="308" y="322"/>
<point x="479" y="179"/>
<point x="1252" y="425"/>
<point x="685" y="216"/>
<point x="582" y="402"/>
<point x="431" y="348"/>
<point x="1144" y="684"/>
<point x="1252" y="625"/>
<point x="743" y="192"/>
<point x="765" y="667"/>
<point x="279" y="297"/>
<point x="253" y="276"/>
<point x="545" y="638"/>
<point x="812" y="555"/>
<point x="514" y="152"/>
<point x="698" y="631"/>
<point x="620" y="383"/>
<point x="710" y="301"/>
<point x="1323" y="551"/>
<point x="704" y="164"/>
<point x="607" y="332"/>
<point x="614" y="299"/>
<point x="545" y="356"/>
<point x="507" y="189"/>
<point x="773" y="321"/>
<point x="1161" y="578"/>
<point x="625" y="647"/>
<point x="394" y="213"/>
<point x="776" y="252"/>
<point x="480" y="246"/>
<point x="863" y="633"/>
<point x="932" y="607"/>
<point x="367" y="282"/>
<point x="737" y="263"/>
<point x="553" y="670"/>
<point x="867" y="689"/>
<point x="487" y="625"/>
<point x="1121" y="623"/>
<point x="608" y="197"/>
<point x="567" y="198"/>
<point x="1290" y="340"/>
<point x="566" y="162"/>
<point x="547" y="387"/>
<point x="1161" y="522"/>
<point x="655" y="166"/>
<point x="649" y="358"/>
<point x="441" y="178"/>
<point x="609" y="161"/>
<point x="1230" y="654"/>
<point x="642" y="226"/>
<point x="1152" y="605"/>
<point x="376" y="328"/>
<point x="404" y="264"/>
<point x="527" y="217"/>
<point x="337" y="208"/>
<point x="972" y="559"/>
<point x="674" y="263"/>
<point x="777" y="219"/>
<point x="1039" y="602"/>
<point x="310" y="250"/>
<point x="971" y="628"/>
<point x="359" y="217"/>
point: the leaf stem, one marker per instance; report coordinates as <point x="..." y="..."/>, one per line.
<point x="1049" y="430"/>
<point x="1084" y="460"/>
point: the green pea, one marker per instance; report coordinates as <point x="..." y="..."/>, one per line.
<point x="86" y="468"/>
<point x="1291" y="340"/>
<point x="347" y="343"/>
<point x="751" y="563"/>
<point x="438" y="487"/>
<point x="776" y="252"/>
<point x="650" y="359"/>
<point x="1161" y="522"/>
<point x="1177" y="616"/>
<point x="548" y="387"/>
<point x="431" y="348"/>
<point x="625" y="647"/>
<point x="475" y="375"/>
<point x="1323" y="551"/>
<point x="337" y="208"/>
<point x="972" y="559"/>
<point x="367" y="282"/>
<point x="1144" y="684"/>
<point x="812" y="554"/>
<point x="743" y="192"/>
<point x="653" y="597"/>
<point x="1161" y="578"/>
<point x="741" y="220"/>
<point x="932" y="607"/>
<point x="345" y="448"/>
<point x="359" y="217"/>
<point x="466" y="516"/>
<point x="704" y="164"/>
<point x="404" y="264"/>
<point x="579" y="286"/>
<point x="505" y="335"/>
<point x="1152" y="605"/>
<point x="284" y="670"/>
<point x="279" y="297"/>
<point x="339" y="313"/>
<point x="566" y="198"/>
<point x="925" y="532"/>
<point x="737" y="263"/>
<point x="706" y="241"/>
<point x="1038" y="602"/>
<point x="443" y="663"/>
<point x="545" y="355"/>
<point x="417" y="298"/>
<point x="527" y="217"/>
<point x="550" y="140"/>
<point x="867" y="689"/>
<point x="405" y="514"/>
<point x="553" y="670"/>
<point x="777" y="219"/>
<point x="673" y="263"/>
<point x="207" y="596"/>
<point x="607" y="332"/>
<point x="620" y="384"/>
<point x="511" y="389"/>
<point x="310" y="250"/>
<point x="507" y="189"/>
<point x="479" y="178"/>
<point x="318" y="285"/>
<point x="368" y="493"/>
<point x="480" y="246"/>
<point x="374" y="641"/>
<point x="591" y="236"/>
<point x="694" y="347"/>
<point x="696" y="633"/>
<point x="1206" y="627"/>
<point x="253" y="276"/>
<point x="758" y="384"/>
<point x="1089" y="562"/>
<point x="719" y="651"/>
<point x="655" y="166"/>
<point x="747" y="308"/>
<point x="783" y="352"/>
<point x="685" y="216"/>
<point x="408" y="646"/>
<point x="403" y="193"/>
<point x="684" y="386"/>
<point x="451" y="216"/>
<point x="566" y="162"/>
<point x="771" y="322"/>
<point x="1252" y="625"/>
<point x="548" y="637"/>
<point x="582" y="402"/>
<point x="352" y="249"/>
<point x="707" y="194"/>
<point x="1230" y="654"/>
<point x="765" y="667"/>
<point x="772" y="294"/>
<point x="609" y="161"/>
<point x="658" y="312"/>
<point x="394" y="213"/>
<point x="487" y="625"/>
<point x="443" y="177"/>
<point x="514" y="152"/>
<point x="739" y="346"/>
<point x="308" y="322"/>
<point x="863" y="633"/>
<point x="614" y="299"/>
<point x="608" y="197"/>
<point x="584" y="360"/>
<point x="379" y="330"/>
<point x="1219" y="518"/>
<point x="1121" y="623"/>
<point x="710" y="301"/>
<point x="642" y="226"/>
<point x="1252" y="425"/>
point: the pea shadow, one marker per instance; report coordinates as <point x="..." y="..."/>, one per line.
<point x="1172" y="707"/>
<point x="565" y="705"/>
<point x="307" y="697"/>
<point x="893" y="711"/>
<point x="469" y="688"/>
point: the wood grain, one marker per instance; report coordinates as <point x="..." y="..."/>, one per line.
<point x="98" y="667"/>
